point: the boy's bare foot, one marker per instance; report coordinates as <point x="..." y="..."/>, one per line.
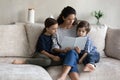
<point x="89" y="68"/>
<point x="18" y="62"/>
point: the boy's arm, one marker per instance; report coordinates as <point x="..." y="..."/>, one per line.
<point x="77" y="49"/>
<point x="55" y="58"/>
<point x="58" y="50"/>
<point x="82" y="58"/>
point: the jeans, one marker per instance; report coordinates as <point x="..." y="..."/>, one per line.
<point x="92" y="58"/>
<point x="71" y="59"/>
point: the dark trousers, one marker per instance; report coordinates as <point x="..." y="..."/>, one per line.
<point x="42" y="60"/>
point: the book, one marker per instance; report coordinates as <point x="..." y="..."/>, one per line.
<point x="73" y="42"/>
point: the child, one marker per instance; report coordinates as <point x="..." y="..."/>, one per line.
<point x="90" y="51"/>
<point x="44" y="44"/>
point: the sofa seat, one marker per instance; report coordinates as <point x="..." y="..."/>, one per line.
<point x="22" y="72"/>
<point x="106" y="69"/>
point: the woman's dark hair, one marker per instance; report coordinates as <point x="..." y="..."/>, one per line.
<point x="65" y="13"/>
<point x="84" y="24"/>
<point x="48" y="22"/>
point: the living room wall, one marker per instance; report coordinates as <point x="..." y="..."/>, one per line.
<point x="16" y="10"/>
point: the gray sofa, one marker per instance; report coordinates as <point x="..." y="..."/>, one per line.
<point x="14" y="45"/>
<point x="107" y="41"/>
<point x="18" y="42"/>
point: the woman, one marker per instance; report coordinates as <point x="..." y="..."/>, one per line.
<point x="67" y="27"/>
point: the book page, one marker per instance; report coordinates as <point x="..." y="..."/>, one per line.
<point x="68" y="42"/>
<point x="80" y="42"/>
<point x="72" y="42"/>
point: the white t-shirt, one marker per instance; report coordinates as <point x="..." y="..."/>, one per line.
<point x="61" y="32"/>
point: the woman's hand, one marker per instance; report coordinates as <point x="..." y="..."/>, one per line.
<point x="77" y="49"/>
<point x="56" y="58"/>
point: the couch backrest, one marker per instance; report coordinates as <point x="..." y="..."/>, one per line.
<point x="97" y="33"/>
<point x="13" y="41"/>
<point x="19" y="40"/>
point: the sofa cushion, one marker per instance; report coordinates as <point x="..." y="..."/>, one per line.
<point x="33" y="32"/>
<point x="23" y="72"/>
<point x="113" y="43"/>
<point x="98" y="35"/>
<point x="13" y="40"/>
<point x="105" y="70"/>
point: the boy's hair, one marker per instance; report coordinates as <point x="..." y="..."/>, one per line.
<point x="65" y="13"/>
<point x="84" y="24"/>
<point x="48" y="23"/>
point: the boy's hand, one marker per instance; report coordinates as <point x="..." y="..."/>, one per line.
<point x="77" y="49"/>
<point x="56" y="58"/>
<point x="66" y="49"/>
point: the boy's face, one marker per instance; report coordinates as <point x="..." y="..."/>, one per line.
<point x="81" y="32"/>
<point x="52" y="29"/>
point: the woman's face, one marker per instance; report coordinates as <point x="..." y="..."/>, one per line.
<point x="52" y="29"/>
<point x="69" y="20"/>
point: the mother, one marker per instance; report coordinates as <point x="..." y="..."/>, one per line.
<point x="67" y="27"/>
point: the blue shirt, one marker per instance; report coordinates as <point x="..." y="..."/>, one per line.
<point x="89" y="47"/>
<point x="44" y="43"/>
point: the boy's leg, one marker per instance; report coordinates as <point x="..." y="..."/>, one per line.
<point x="92" y="59"/>
<point x="89" y="63"/>
<point x="97" y="57"/>
<point x="41" y="60"/>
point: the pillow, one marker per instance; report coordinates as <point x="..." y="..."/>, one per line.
<point x="13" y="40"/>
<point x="98" y="35"/>
<point x="112" y="48"/>
<point x="33" y="32"/>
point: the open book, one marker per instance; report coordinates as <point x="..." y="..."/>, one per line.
<point x="72" y="42"/>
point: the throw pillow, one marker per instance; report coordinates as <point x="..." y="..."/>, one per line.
<point x="33" y="32"/>
<point x="112" y="48"/>
<point x="98" y="35"/>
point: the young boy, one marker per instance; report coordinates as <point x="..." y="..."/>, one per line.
<point x="89" y="56"/>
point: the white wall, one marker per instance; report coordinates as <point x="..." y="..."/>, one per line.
<point x="16" y="10"/>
